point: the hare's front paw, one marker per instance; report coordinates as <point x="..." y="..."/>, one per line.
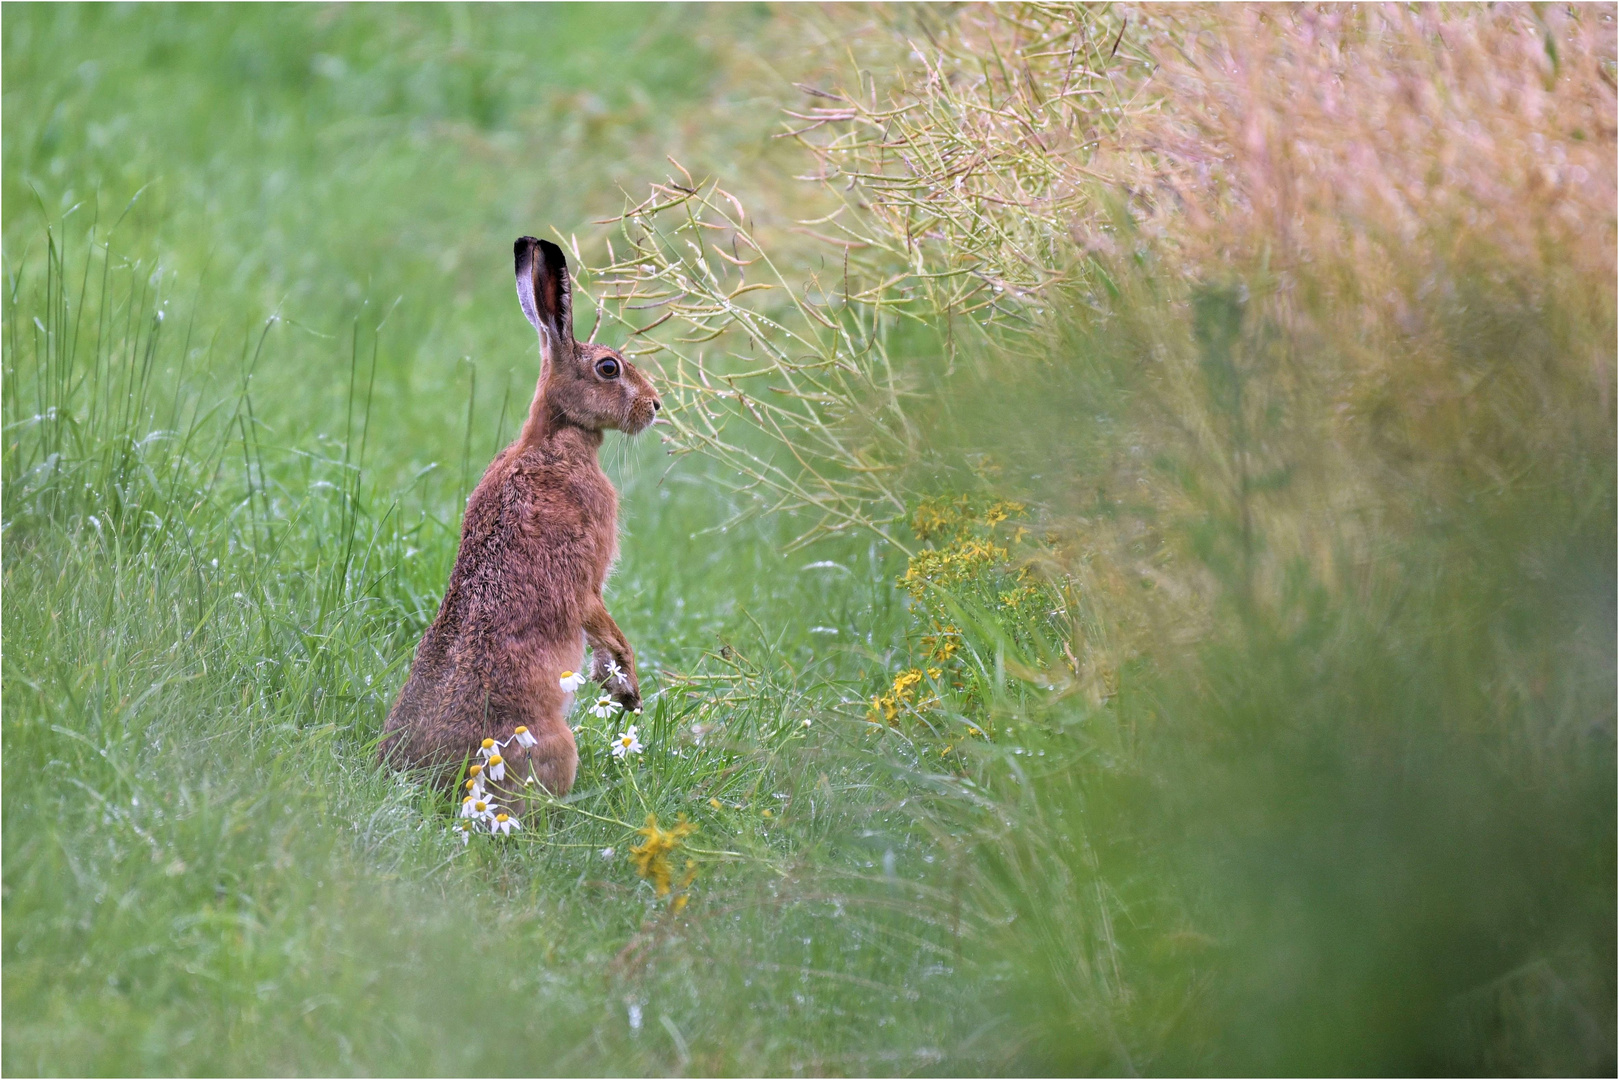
<point x="617" y="683"/>
<point x="627" y="693"/>
<point x="605" y="669"/>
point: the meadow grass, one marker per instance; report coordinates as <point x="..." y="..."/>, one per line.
<point x="1161" y="726"/>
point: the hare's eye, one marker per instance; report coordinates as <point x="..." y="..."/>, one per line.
<point x="607" y="368"/>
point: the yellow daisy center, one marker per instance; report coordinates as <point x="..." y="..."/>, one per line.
<point x="488" y="744"/>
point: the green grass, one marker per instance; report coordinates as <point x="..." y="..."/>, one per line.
<point x="1362" y="828"/>
<point x="232" y="546"/>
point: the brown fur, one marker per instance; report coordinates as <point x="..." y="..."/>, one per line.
<point x="541" y="532"/>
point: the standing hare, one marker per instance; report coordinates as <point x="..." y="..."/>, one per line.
<point x="525" y="596"/>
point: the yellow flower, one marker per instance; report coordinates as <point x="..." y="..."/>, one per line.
<point x="678" y="904"/>
<point x="941" y="516"/>
<point x="1000" y="511"/>
<point x="651" y="856"/>
<point x="902" y="695"/>
<point x="946" y="517"/>
<point x="942" y="645"/>
<point x="962" y="561"/>
<point x="1015" y="599"/>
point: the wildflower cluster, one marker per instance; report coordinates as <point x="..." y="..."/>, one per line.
<point x="942" y="645"/>
<point x="950" y="518"/>
<point x="940" y="654"/>
<point x="651" y="857"/>
<point x="903" y="696"/>
<point x="963" y="543"/>
<point x="1023" y="595"/>
<point x="941" y="517"/>
<point x="970" y="544"/>
<point x="604" y="707"/>
<point x="479" y="810"/>
<point x="962" y="561"/>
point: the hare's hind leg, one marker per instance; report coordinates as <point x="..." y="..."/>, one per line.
<point x="551" y="762"/>
<point x="554" y="758"/>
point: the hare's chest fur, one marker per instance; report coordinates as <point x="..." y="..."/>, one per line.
<point x="540" y="535"/>
<point x="570" y="507"/>
<point x="564" y="515"/>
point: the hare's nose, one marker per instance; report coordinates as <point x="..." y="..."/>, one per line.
<point x="656" y="404"/>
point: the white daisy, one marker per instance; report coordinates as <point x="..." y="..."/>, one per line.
<point x="604" y="707"/>
<point x="504" y="824"/>
<point x="524" y="739"/>
<point x="612" y="673"/>
<point x="572" y="680"/>
<point x="478" y="808"/>
<point x="627" y="742"/>
<point x="497" y="768"/>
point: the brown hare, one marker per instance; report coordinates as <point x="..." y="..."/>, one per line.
<point x="540" y="534"/>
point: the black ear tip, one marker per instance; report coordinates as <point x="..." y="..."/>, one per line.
<point x="523" y="251"/>
<point x="553" y="254"/>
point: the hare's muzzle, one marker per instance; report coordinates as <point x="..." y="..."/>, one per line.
<point x="642" y="412"/>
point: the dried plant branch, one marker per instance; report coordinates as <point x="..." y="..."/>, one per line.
<point x="966" y="169"/>
<point x="950" y="193"/>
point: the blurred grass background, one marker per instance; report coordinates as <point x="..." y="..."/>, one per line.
<point x="1277" y="737"/>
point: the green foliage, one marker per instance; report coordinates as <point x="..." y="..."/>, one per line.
<point x="1243" y="713"/>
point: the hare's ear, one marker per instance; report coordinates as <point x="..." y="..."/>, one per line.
<point x="544" y="292"/>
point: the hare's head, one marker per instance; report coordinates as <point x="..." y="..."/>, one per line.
<point x="590" y="385"/>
